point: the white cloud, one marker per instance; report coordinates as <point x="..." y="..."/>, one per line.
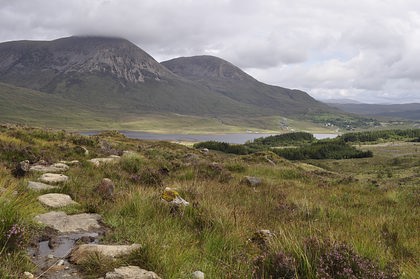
<point x="362" y="49"/>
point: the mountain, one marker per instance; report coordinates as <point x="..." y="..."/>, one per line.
<point x="405" y="111"/>
<point x="228" y="80"/>
<point x="113" y="76"/>
<point x="340" y="101"/>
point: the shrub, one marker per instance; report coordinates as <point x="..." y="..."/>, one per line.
<point x="274" y="265"/>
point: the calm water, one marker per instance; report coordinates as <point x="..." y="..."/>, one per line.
<point x="230" y="138"/>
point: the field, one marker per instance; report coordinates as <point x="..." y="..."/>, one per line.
<point x="327" y="218"/>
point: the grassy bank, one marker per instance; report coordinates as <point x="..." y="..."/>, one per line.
<point x="320" y="212"/>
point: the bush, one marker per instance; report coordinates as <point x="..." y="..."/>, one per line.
<point x="285" y="139"/>
<point x="274" y="265"/>
<point x="238" y="149"/>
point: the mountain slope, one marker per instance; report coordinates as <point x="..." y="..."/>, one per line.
<point x="223" y="77"/>
<point x="113" y="77"/>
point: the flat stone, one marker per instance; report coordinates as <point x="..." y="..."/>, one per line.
<point x="70" y="163"/>
<point x="54" y="168"/>
<point x="39" y="186"/>
<point x="111" y="159"/>
<point x="55" y="200"/>
<point x="131" y="272"/>
<point x="69" y="223"/>
<point x="53" y="178"/>
<point x="81" y="252"/>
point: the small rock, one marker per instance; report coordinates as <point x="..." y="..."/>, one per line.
<point x="69" y="223"/>
<point x="111" y="159"/>
<point x="38" y="186"/>
<point x="198" y="275"/>
<point x="81" y="252"/>
<point x="50" y="256"/>
<point x="106" y="189"/>
<point x="60" y="262"/>
<point x="81" y="150"/>
<point x="28" y="275"/>
<point x="131" y="272"/>
<point x="173" y="197"/>
<point x="21" y="169"/>
<point x="56" y="200"/>
<point x="53" y="178"/>
<point x="205" y="150"/>
<point x="252" y="181"/>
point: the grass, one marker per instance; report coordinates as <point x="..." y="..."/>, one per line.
<point x="369" y="206"/>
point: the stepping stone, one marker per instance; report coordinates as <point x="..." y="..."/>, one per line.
<point x="131" y="272"/>
<point x="53" y="178"/>
<point x="111" y="159"/>
<point x="56" y="200"/>
<point x="38" y="186"/>
<point x="69" y="223"/>
<point x="70" y="163"/>
<point x="82" y="252"/>
<point x="57" y="167"/>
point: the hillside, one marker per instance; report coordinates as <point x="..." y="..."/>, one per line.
<point x="228" y="216"/>
<point x="112" y="76"/>
<point x="224" y="78"/>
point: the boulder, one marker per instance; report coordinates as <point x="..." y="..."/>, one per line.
<point x="111" y="159"/>
<point x="53" y="178"/>
<point x="82" y="252"/>
<point x="172" y="196"/>
<point x="21" y="169"/>
<point x="106" y="189"/>
<point x="252" y="181"/>
<point x="131" y="272"/>
<point x="39" y="186"/>
<point x="57" y="167"/>
<point x="69" y="223"/>
<point x="55" y="200"/>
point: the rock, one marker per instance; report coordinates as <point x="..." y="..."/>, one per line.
<point x="57" y="167"/>
<point x="69" y="223"/>
<point x="252" y="181"/>
<point x="111" y="159"/>
<point x="21" y="169"/>
<point x="38" y="186"/>
<point x="81" y="150"/>
<point x="205" y="150"/>
<point x="82" y="252"/>
<point x="131" y="272"/>
<point x="262" y="237"/>
<point x="56" y="200"/>
<point x="70" y="163"/>
<point x="106" y="189"/>
<point x="173" y="197"/>
<point x="198" y="275"/>
<point x="53" y="178"/>
<point x="28" y="275"/>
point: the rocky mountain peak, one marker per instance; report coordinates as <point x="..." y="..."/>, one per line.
<point x="206" y="67"/>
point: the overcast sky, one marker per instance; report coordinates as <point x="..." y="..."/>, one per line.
<point x="366" y="50"/>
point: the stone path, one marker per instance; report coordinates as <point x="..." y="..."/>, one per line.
<point x="52" y="255"/>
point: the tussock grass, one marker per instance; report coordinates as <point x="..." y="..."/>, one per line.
<point x="345" y="203"/>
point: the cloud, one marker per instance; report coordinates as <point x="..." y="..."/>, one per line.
<point x="363" y="49"/>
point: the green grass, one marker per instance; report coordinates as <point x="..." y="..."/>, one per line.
<point x="370" y="204"/>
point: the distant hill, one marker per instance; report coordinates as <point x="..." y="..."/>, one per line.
<point x="340" y="101"/>
<point x="404" y="111"/>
